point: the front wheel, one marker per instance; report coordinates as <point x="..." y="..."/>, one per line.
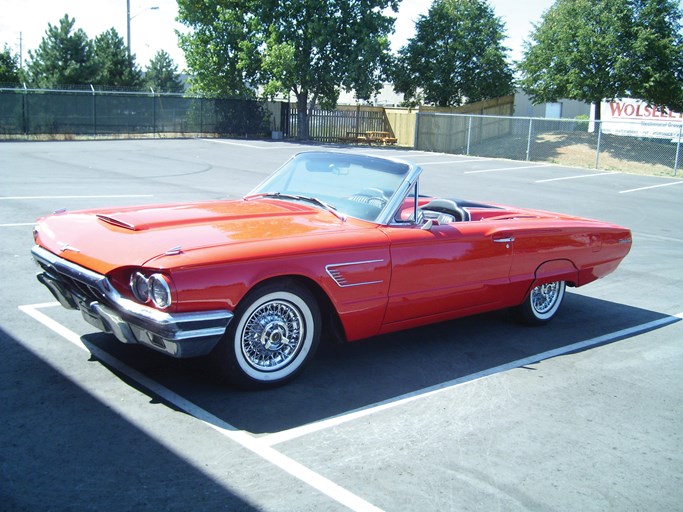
<point x="275" y="332"/>
<point x="541" y="304"/>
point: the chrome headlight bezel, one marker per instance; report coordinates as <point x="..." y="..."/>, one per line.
<point x="160" y="291"/>
<point x="154" y="290"/>
<point x="139" y="285"/>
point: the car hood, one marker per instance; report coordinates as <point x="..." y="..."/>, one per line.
<point x="102" y="240"/>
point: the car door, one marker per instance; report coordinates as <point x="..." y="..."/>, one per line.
<point x="456" y="267"/>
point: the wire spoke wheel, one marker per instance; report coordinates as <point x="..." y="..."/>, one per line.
<point x="273" y="335"/>
<point x="271" y="338"/>
<point x="541" y="304"/>
<point x="544" y="297"/>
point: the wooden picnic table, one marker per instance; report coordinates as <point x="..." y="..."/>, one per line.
<point x="370" y="137"/>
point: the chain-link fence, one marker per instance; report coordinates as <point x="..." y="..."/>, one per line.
<point x="617" y="145"/>
<point x="652" y="147"/>
<point x="30" y="113"/>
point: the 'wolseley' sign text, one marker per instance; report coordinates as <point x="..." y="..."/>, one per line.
<point x="639" y="119"/>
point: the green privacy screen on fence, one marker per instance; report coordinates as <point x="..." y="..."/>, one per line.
<point x="36" y="112"/>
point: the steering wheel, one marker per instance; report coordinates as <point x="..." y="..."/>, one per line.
<point x="371" y="196"/>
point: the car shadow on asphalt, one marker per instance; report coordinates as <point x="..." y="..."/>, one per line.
<point x="352" y="376"/>
<point x="64" y="449"/>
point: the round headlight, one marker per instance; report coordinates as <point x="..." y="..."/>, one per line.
<point x="140" y="287"/>
<point x="159" y="291"/>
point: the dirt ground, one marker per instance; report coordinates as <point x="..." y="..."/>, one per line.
<point x="577" y="149"/>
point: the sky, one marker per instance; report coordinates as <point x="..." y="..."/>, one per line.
<point x="154" y="29"/>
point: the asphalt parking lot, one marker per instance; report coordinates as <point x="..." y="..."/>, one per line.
<point x="476" y="414"/>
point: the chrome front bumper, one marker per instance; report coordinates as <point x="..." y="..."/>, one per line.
<point x="178" y="335"/>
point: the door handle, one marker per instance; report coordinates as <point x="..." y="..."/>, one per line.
<point x="505" y="240"/>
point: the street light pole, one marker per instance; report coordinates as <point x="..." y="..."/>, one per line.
<point x="128" y="25"/>
<point x="129" y="17"/>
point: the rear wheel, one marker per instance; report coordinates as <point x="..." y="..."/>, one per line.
<point x="275" y="332"/>
<point x="541" y="304"/>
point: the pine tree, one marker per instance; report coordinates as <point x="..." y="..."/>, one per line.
<point x="114" y="66"/>
<point x="162" y="74"/>
<point x="64" y="57"/>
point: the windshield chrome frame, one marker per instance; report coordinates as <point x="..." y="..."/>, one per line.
<point x="386" y="215"/>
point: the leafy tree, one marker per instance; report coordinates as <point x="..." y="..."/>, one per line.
<point x="310" y="48"/>
<point x="592" y="51"/>
<point x="64" y="56"/>
<point x="658" y="49"/>
<point x="9" y="67"/>
<point x="456" y="56"/>
<point x="162" y="74"/>
<point x="212" y="48"/>
<point x="114" y="66"/>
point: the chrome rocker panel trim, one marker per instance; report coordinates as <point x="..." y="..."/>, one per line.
<point x="179" y="335"/>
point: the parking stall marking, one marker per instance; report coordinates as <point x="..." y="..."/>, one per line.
<point x="499" y="169"/>
<point x="252" y="146"/>
<point x="421" y="164"/>
<point x="125" y="196"/>
<point x="651" y="186"/>
<point x="262" y="446"/>
<point x="294" y="433"/>
<point x="33" y="198"/>
<point x="241" y="437"/>
<point x="17" y="225"/>
<point x="577" y="177"/>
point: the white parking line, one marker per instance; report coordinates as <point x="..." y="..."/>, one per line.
<point x="253" y="146"/>
<point x="258" y="445"/>
<point x="288" y="435"/>
<point x="454" y="161"/>
<point x="75" y="197"/>
<point x="241" y="437"/>
<point x="510" y="168"/>
<point x="652" y="186"/>
<point x="577" y="177"/>
<point x="18" y="224"/>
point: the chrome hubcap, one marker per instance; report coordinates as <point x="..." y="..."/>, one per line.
<point x="543" y="297"/>
<point x="272" y="335"/>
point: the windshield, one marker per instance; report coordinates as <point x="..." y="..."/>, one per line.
<point x="355" y="185"/>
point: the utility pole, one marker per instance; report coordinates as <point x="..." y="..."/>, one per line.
<point x="129" y="17"/>
<point x="128" y="25"/>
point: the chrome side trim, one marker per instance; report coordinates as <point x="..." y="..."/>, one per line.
<point x="338" y="276"/>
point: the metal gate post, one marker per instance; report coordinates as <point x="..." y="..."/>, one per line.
<point x="528" y="142"/>
<point x="597" y="151"/>
<point x="678" y="148"/>
<point x="94" y="111"/>
<point x="154" y="115"/>
<point x="201" y="115"/>
<point x="417" y="130"/>
<point x="469" y="136"/>
<point x="24" y="111"/>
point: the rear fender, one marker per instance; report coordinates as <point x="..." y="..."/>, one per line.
<point x="555" y="270"/>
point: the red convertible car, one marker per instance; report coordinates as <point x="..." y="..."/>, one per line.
<point x="331" y="243"/>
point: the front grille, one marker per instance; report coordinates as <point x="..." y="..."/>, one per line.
<point x="82" y="283"/>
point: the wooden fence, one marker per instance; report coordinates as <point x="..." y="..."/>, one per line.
<point x="337" y="125"/>
<point x="453" y="130"/>
<point x="424" y="128"/>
